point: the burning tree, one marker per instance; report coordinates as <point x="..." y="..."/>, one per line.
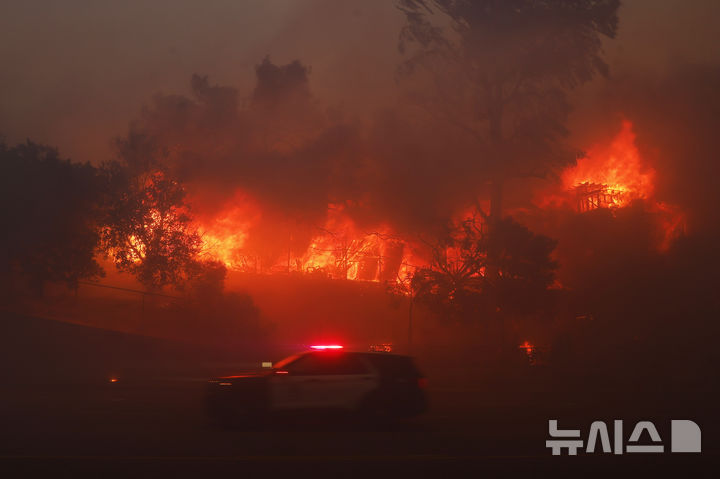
<point x="499" y="72"/>
<point x="148" y="230"/>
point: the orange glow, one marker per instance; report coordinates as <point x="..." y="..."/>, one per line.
<point x="528" y="347"/>
<point x="340" y="250"/>
<point x="154" y="224"/>
<point x="224" y="235"/>
<point x="611" y="176"/>
<point x="113" y="380"/>
<point x="532" y="353"/>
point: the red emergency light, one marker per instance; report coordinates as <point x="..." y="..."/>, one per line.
<point x="326" y="346"/>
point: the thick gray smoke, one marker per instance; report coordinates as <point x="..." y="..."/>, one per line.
<point x="294" y="156"/>
<point x="327" y="128"/>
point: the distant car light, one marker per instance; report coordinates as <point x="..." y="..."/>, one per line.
<point x="328" y="346"/>
<point x="113" y="380"/>
<point x="266" y="364"/>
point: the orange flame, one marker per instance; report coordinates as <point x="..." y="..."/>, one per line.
<point x="613" y="176"/>
<point x="224" y="235"/>
<point x="617" y="172"/>
<point x="340" y="250"/>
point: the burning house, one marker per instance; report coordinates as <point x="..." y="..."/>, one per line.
<point x="590" y="196"/>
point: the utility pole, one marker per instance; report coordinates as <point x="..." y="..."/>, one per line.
<point x="410" y="317"/>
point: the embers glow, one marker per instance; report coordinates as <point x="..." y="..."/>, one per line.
<point x="528" y="347"/>
<point x="612" y="176"/>
<point x="224" y="236"/>
<point x="340" y="250"/>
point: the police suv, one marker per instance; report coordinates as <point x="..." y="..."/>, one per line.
<point x="326" y="378"/>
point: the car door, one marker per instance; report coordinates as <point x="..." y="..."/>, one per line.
<point x="349" y="379"/>
<point x="299" y="384"/>
<point x="322" y="379"/>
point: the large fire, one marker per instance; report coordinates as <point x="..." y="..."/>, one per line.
<point x="338" y="250"/>
<point x="613" y="176"/>
<point x="610" y="176"/>
<point x="224" y="236"/>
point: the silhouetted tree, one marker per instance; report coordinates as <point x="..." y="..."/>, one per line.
<point x="49" y="210"/>
<point x="456" y="287"/>
<point x="284" y="112"/>
<point x="499" y="70"/>
<point x="280" y="85"/>
<point x="453" y="285"/>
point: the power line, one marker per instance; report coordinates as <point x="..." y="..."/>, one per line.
<point x="119" y="288"/>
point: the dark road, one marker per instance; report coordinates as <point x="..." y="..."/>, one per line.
<point x="59" y="412"/>
<point x="160" y="427"/>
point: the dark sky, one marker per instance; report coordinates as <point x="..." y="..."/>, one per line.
<point x="74" y="73"/>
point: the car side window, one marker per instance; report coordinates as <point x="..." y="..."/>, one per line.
<point x="327" y="363"/>
<point x="351" y="364"/>
<point x="305" y="365"/>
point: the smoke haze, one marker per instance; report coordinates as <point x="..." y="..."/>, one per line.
<point x="279" y="109"/>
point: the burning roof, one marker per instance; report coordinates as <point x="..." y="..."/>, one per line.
<point x="611" y="176"/>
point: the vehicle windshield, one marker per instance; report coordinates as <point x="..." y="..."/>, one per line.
<point x="284" y="362"/>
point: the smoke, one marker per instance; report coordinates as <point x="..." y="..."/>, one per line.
<point x="74" y="74"/>
<point x="282" y="157"/>
<point x="274" y="145"/>
<point x="319" y="122"/>
<point x="677" y="124"/>
<point x="674" y="118"/>
<point x="292" y="156"/>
